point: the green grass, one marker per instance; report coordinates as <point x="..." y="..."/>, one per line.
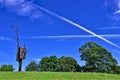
<point x="57" y="76"/>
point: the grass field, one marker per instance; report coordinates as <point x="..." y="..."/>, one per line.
<point x="56" y="76"/>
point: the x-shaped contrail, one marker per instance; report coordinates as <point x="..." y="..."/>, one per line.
<point x="77" y="25"/>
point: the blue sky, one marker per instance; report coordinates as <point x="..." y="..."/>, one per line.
<point x="58" y="27"/>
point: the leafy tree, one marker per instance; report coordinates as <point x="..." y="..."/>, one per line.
<point x="67" y="64"/>
<point x="52" y="64"/>
<point x="43" y="64"/>
<point x="6" y="67"/>
<point x="32" y="66"/>
<point x="97" y="58"/>
<point x="63" y="64"/>
<point x="117" y="70"/>
<point x="48" y="63"/>
<point x="78" y="68"/>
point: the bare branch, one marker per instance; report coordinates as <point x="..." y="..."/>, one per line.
<point x="16" y="38"/>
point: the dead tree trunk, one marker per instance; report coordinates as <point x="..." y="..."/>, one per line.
<point x="19" y="59"/>
<point x="20" y="65"/>
<point x="21" y="51"/>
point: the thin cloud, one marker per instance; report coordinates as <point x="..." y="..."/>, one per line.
<point x="72" y="36"/>
<point x="113" y="9"/>
<point x="116" y="13"/>
<point x="63" y="36"/>
<point x="4" y="38"/>
<point x="118" y="5"/>
<point x="36" y="59"/>
<point x="22" y="8"/>
<point x="109" y="28"/>
<point x="3" y="55"/>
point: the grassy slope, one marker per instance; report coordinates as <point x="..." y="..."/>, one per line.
<point x="56" y="76"/>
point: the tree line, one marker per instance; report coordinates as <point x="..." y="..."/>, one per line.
<point x="97" y="59"/>
<point x="54" y="64"/>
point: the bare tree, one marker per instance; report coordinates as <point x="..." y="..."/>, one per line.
<point x="21" y="50"/>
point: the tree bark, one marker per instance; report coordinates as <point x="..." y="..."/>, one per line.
<point x="20" y="65"/>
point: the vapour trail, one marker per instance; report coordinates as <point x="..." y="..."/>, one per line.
<point x="73" y="36"/>
<point x="77" y="25"/>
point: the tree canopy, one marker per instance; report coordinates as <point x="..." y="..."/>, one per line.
<point x="67" y="64"/>
<point x="48" y="63"/>
<point x="32" y="66"/>
<point x="63" y="64"/>
<point x="6" y="67"/>
<point x="97" y="58"/>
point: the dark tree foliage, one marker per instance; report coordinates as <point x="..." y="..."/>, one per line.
<point x="97" y="58"/>
<point x="32" y="66"/>
<point x="63" y="64"/>
<point x="117" y="70"/>
<point x="6" y="67"/>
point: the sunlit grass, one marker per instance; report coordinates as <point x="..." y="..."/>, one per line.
<point x="57" y="76"/>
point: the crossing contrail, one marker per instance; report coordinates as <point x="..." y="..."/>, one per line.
<point x="77" y="25"/>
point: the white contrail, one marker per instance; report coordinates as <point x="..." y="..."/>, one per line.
<point x="77" y="25"/>
<point x="73" y="36"/>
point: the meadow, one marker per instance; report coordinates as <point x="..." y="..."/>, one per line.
<point x="57" y="76"/>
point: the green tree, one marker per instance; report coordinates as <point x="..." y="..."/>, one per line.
<point x="32" y="66"/>
<point x="117" y="70"/>
<point x="97" y="58"/>
<point x="67" y="64"/>
<point x="63" y="64"/>
<point x="48" y="63"/>
<point x="6" y="67"/>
